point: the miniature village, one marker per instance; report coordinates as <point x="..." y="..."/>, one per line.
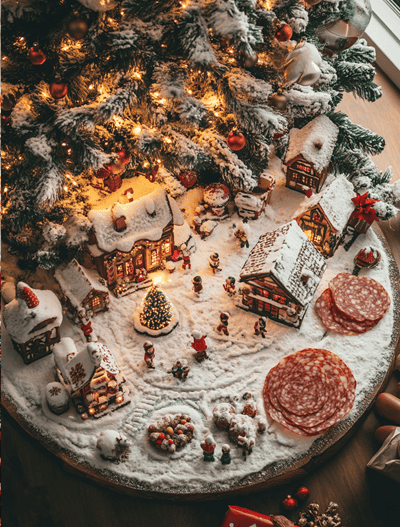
<point x="165" y="339"/>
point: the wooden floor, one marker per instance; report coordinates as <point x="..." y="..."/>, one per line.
<point x="37" y="492"/>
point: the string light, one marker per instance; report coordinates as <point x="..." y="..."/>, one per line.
<point x="162" y="101"/>
<point x="91" y="87"/>
<point x="65" y="188"/>
<point x="137" y="75"/>
<point x="190" y="92"/>
<point x="137" y="130"/>
<point x="168" y="140"/>
<point x="146" y="164"/>
<point x="63" y="144"/>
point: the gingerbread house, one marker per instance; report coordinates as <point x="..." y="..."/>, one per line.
<point x="252" y="204"/>
<point x="85" y="293"/>
<point x="130" y="240"/>
<point x="33" y="321"/>
<point x="309" y="153"/>
<point x="91" y="376"/>
<point x="324" y="218"/>
<point x="281" y="275"/>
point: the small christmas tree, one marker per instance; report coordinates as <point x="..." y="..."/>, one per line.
<point x="156" y="315"/>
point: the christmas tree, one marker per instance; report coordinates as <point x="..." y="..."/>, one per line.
<point x="156" y="310"/>
<point x="211" y="87"/>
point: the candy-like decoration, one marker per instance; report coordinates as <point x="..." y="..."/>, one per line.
<point x="302" y="65"/>
<point x="26" y="294"/>
<point x="236" y="140"/>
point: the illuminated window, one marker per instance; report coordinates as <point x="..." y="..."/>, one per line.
<point x="120" y="270"/>
<point x="139" y="260"/>
<point x="165" y="248"/>
<point x="278" y="298"/>
<point x="95" y="302"/>
<point x="129" y="267"/>
<point x="154" y="257"/>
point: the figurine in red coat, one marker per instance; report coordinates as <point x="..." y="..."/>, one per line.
<point x="223" y="325"/>
<point x="186" y="257"/>
<point x="149" y="354"/>
<point x="208" y="447"/>
<point x="199" y="345"/>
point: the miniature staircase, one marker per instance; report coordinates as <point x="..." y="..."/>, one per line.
<point x="136" y="419"/>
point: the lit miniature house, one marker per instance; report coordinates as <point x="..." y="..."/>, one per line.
<point x="252" y="204"/>
<point x="309" y="154"/>
<point x="325" y="216"/>
<point x="281" y="275"/>
<point x="83" y="292"/>
<point x="132" y="239"/>
<point x="92" y="377"/>
<point x="33" y="321"/>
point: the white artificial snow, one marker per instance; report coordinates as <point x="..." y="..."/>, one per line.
<point x="77" y="282"/>
<point x="141" y="225"/>
<point x="20" y="320"/>
<point x="335" y="201"/>
<point x="238" y="363"/>
<point x="320" y="131"/>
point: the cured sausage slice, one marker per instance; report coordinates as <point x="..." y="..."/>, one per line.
<point x="323" y="307"/>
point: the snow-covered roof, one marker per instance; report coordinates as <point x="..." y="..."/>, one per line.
<point x="315" y="142"/>
<point x="146" y="219"/>
<point x="286" y="253"/>
<point x="244" y="200"/>
<point x="21" y="320"/>
<point x="335" y="201"/>
<point x="76" y="282"/>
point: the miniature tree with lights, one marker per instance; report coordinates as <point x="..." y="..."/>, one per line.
<point x="156" y="316"/>
<point x="207" y="86"/>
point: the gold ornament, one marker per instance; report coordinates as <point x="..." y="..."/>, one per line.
<point x="278" y="101"/>
<point x="247" y="59"/>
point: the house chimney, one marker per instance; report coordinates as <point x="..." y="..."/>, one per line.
<point x="119" y="219"/>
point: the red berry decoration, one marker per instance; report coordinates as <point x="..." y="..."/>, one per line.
<point x="278" y="136"/>
<point x="36" y="55"/>
<point x="302" y="493"/>
<point x="284" y="33"/>
<point x="289" y="503"/>
<point x="77" y="28"/>
<point x="58" y="90"/>
<point x="236" y="140"/>
<point x="29" y="297"/>
<point x="187" y="179"/>
<point x="308" y="193"/>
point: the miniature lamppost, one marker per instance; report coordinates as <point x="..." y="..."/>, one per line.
<point x="366" y="258"/>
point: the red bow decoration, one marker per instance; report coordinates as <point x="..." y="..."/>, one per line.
<point x="364" y="210"/>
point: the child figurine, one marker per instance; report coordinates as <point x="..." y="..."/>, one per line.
<point x="223" y="325"/>
<point x="247" y="444"/>
<point x="208" y="447"/>
<point x="197" y="285"/>
<point x="197" y="224"/>
<point x="226" y="457"/>
<point x="186" y="257"/>
<point x="149" y="354"/>
<point x="242" y="234"/>
<point x="259" y="327"/>
<point x="213" y="262"/>
<point x="199" y="345"/>
<point x="179" y="371"/>
<point x="230" y="286"/>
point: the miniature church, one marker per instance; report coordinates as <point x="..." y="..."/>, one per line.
<point x="324" y="218"/>
<point x="281" y="275"/>
<point x="130" y="240"/>
<point x="309" y="154"/>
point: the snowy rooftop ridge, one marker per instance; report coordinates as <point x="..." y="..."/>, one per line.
<point x="335" y="201"/>
<point x="146" y="218"/>
<point x="21" y="321"/>
<point x="286" y="253"/>
<point x="322" y="132"/>
<point x="76" y="282"/>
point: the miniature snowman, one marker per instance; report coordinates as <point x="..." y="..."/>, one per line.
<point x="149" y="354"/>
<point x="199" y="345"/>
<point x="259" y="327"/>
<point x="226" y="457"/>
<point x="223" y="325"/>
<point x="208" y="447"/>
<point x="230" y="286"/>
<point x="214" y="263"/>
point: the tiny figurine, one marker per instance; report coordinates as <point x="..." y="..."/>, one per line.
<point x="226" y="457"/>
<point x="179" y="371"/>
<point x="214" y="263"/>
<point x="208" y="447"/>
<point x="149" y="354"/>
<point x="86" y="327"/>
<point x="197" y="285"/>
<point x="250" y="406"/>
<point x="197" y="221"/>
<point x="113" y="446"/>
<point x="242" y="234"/>
<point x="199" y="344"/>
<point x="259" y="327"/>
<point x="366" y="258"/>
<point x="230" y="286"/>
<point x="247" y="444"/>
<point x="186" y="257"/>
<point x="223" y="325"/>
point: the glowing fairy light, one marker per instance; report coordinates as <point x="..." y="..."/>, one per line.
<point x="137" y="130"/>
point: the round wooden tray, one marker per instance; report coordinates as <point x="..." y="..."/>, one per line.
<point x="273" y="475"/>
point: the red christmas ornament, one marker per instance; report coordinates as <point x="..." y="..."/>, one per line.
<point x="289" y="503"/>
<point x="29" y="297"/>
<point x="235" y="140"/>
<point x="125" y="157"/>
<point x="36" y="55"/>
<point x="58" y="90"/>
<point x="308" y="193"/>
<point x="284" y="33"/>
<point x="302" y="493"/>
<point x="278" y="136"/>
<point x="187" y="179"/>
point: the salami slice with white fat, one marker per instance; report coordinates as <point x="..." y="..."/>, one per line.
<point x="323" y="306"/>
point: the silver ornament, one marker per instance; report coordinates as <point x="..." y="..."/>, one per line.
<point x="302" y="65"/>
<point x="342" y="34"/>
<point x="99" y="5"/>
<point x="247" y="59"/>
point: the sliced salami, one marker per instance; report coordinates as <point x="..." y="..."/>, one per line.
<point x="352" y="325"/>
<point x="323" y="306"/>
<point x="360" y="298"/>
